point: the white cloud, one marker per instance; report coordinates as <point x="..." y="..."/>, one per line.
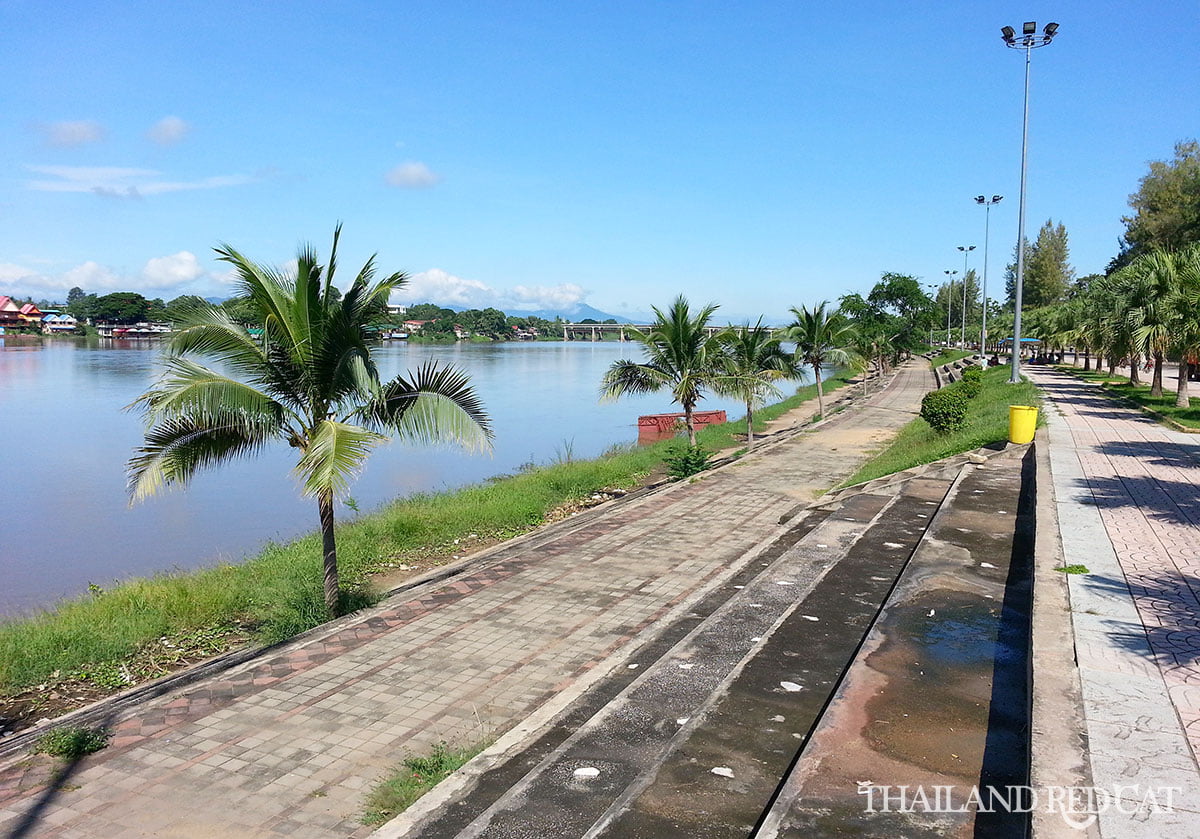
<point x="72" y="133"/>
<point x="412" y="175"/>
<point x="445" y="289"/>
<point x="168" y="131"/>
<point x="174" y="270"/>
<point x="162" y="276"/>
<point x="122" y="182"/>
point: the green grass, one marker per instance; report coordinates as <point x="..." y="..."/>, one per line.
<point x="1073" y="569"/>
<point x="144" y="627"/>
<point x="1139" y="395"/>
<point x="948" y="356"/>
<point x="986" y="423"/>
<point x="415" y="777"/>
<point x="71" y="742"/>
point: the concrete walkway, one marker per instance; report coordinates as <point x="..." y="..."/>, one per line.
<point x="1128" y="498"/>
<point x="288" y="744"/>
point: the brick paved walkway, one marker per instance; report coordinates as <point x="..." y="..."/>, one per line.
<point x="1128" y="492"/>
<point x="287" y="744"/>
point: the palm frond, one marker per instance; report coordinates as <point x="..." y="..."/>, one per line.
<point x="435" y="405"/>
<point x="625" y="376"/>
<point x="177" y="447"/>
<point x="335" y="454"/>
<point x="188" y="388"/>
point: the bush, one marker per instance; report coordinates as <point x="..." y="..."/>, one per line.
<point x="945" y="410"/>
<point x="972" y="382"/>
<point x="684" y="460"/>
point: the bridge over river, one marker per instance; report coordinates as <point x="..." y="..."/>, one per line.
<point x="597" y="331"/>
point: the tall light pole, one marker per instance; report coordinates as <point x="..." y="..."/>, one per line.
<point x="1029" y="41"/>
<point x="935" y="290"/>
<point x="987" y="219"/>
<point x="966" y="250"/>
<point x="949" y="304"/>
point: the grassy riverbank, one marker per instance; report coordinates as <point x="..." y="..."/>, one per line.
<point x="144" y="628"/>
<point x="986" y="423"/>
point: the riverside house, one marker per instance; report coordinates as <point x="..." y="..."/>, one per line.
<point x="10" y="312"/>
<point x="31" y="315"/>
<point x="55" y="322"/>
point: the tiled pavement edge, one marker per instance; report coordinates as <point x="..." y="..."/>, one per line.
<point x="287" y="744"/>
<point x="1128" y="499"/>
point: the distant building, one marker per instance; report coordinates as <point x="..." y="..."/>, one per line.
<point x="397" y="309"/>
<point x="31" y="314"/>
<point x="10" y="312"/>
<point x="58" y="323"/>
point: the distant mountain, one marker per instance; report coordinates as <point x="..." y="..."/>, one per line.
<point x="575" y="315"/>
<point x="216" y="301"/>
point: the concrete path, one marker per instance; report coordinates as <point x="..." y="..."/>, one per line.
<point x="288" y="743"/>
<point x="1128" y="499"/>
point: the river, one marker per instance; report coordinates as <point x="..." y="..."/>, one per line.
<point x="66" y="520"/>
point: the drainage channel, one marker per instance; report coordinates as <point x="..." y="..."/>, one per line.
<point x="928" y="735"/>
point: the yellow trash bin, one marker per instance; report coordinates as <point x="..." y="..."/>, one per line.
<point x="1022" y="422"/>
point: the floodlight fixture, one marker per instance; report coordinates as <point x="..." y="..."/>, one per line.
<point x="1029" y="27"/>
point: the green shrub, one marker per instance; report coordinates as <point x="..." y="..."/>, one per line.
<point x="972" y="382"/>
<point x="71" y="742"/>
<point x="684" y="460"/>
<point x="946" y="409"/>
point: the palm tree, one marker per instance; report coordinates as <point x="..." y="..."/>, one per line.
<point x="308" y="381"/>
<point x="680" y="356"/>
<point x="1185" y="303"/>
<point x="751" y="363"/>
<point x="1153" y="278"/>
<point x="822" y="338"/>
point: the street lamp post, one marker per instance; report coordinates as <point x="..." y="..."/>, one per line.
<point x="949" y="304"/>
<point x="1028" y="41"/>
<point x="966" y="250"/>
<point x="987" y="218"/>
<point x="934" y="289"/>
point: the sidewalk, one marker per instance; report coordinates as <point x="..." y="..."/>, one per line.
<point x="288" y="743"/>
<point x="1128" y="497"/>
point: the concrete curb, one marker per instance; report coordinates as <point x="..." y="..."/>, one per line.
<point x="1059" y="741"/>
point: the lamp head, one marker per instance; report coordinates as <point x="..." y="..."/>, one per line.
<point x="996" y="199"/>
<point x="1050" y="30"/>
<point x="1029" y="27"/>
<point x="979" y="199"/>
<point x="1008" y="33"/>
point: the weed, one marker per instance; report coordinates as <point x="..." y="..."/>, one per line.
<point x="415" y="777"/>
<point x="71" y="742"/>
<point x="1072" y="569"/>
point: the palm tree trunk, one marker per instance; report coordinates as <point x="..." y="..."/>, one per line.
<point x="1112" y="365"/>
<point x="691" y="423"/>
<point x="1156" y="384"/>
<point x="332" y="601"/>
<point x="1087" y="360"/>
<point x="820" y="391"/>
<point x="1135" y="361"/>
<point x="1181" y="395"/>
<point x="749" y="425"/>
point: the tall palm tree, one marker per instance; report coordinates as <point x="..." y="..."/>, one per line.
<point x="1153" y="278"/>
<point x="822" y="338"/>
<point x="752" y="361"/>
<point x="1185" y="302"/>
<point x="680" y="356"/>
<point x="308" y="381"/>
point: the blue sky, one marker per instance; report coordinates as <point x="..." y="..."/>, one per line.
<point x="530" y="154"/>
